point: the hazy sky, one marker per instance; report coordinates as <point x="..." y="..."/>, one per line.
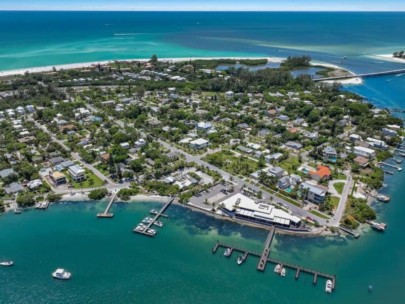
<point x="296" y="5"/>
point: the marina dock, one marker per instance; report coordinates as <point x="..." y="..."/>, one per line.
<point x="146" y="229"/>
<point x="264" y="259"/>
<point x="106" y="213"/>
<point x="266" y="251"/>
<point x="390" y="165"/>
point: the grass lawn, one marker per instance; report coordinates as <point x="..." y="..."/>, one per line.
<point x="235" y="165"/>
<point x="104" y="169"/>
<point x="339" y="187"/>
<point x="291" y="164"/>
<point x="335" y="201"/>
<point x="340" y="176"/>
<point x="97" y="182"/>
<point x="318" y="214"/>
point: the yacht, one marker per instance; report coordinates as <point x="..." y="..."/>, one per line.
<point x="147" y="220"/>
<point x="378" y="226"/>
<point x="61" y="274"/>
<point x="277" y="268"/>
<point x="158" y="223"/>
<point x="139" y="228"/>
<point x="328" y="286"/>
<point x="7" y="263"/>
<point x="283" y="272"/>
<point x="227" y="252"/>
<point x="241" y="259"/>
<point x="151" y="231"/>
<point x="383" y="198"/>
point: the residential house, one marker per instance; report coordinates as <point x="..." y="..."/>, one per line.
<point x="313" y="193"/>
<point x="276" y="172"/>
<point x="361" y="161"/>
<point x="6" y="172"/>
<point x="365" y="152"/>
<point x="275" y="157"/>
<point x="245" y="150"/>
<point x="329" y="154"/>
<point x="204" y="126"/>
<point x="199" y="143"/>
<point x="58" y="178"/>
<point x="293" y="145"/>
<point x="321" y="173"/>
<point x="77" y="173"/>
<point x="34" y="184"/>
<point x="14" y="188"/>
<point x="284" y="183"/>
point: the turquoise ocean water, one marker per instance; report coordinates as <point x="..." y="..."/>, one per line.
<point x="110" y="264"/>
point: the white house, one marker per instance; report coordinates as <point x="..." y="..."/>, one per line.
<point x="77" y="173"/>
<point x="199" y="143"/>
<point x="365" y="152"/>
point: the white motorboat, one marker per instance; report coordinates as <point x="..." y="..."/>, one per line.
<point x="158" y="223"/>
<point x="151" y="231"/>
<point x="283" y="272"/>
<point x="61" y="274"/>
<point x="228" y="252"/>
<point x="7" y="263"/>
<point x="277" y="268"/>
<point x="241" y="259"/>
<point x="328" y="286"/>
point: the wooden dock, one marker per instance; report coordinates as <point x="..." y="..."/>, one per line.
<point x="146" y="230"/>
<point x="264" y="259"/>
<point x="106" y="213"/>
<point x="266" y="250"/>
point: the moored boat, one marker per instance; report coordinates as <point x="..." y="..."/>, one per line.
<point x="241" y="259"/>
<point x="383" y="198"/>
<point x="328" y="286"/>
<point x="227" y="252"/>
<point x="377" y="226"/>
<point x="7" y="263"/>
<point x="61" y="274"/>
<point x="283" y="272"/>
<point x="277" y="268"/>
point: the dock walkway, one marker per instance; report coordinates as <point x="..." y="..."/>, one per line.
<point x="106" y="213"/>
<point x="264" y="259"/>
<point x="266" y="251"/>
<point x="147" y="229"/>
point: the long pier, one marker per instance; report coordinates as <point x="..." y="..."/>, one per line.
<point x="266" y="251"/>
<point x="264" y="259"/>
<point x="364" y="75"/>
<point x="106" y="213"/>
<point x="146" y="229"/>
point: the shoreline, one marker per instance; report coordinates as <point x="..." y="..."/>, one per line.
<point x="144" y="198"/>
<point x="387" y="57"/>
<point x="71" y="66"/>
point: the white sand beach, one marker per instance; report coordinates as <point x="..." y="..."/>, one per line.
<point x="95" y="63"/>
<point x="387" y="57"/>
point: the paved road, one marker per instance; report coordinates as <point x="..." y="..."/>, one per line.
<point x="241" y="183"/>
<point x="342" y="202"/>
<point x="74" y="155"/>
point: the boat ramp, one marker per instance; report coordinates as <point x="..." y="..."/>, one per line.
<point x="264" y="258"/>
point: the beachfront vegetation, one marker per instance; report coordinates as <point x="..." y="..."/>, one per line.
<point x="357" y="211"/>
<point x="399" y="54"/>
<point x="53" y="197"/>
<point x="296" y="62"/>
<point x="98" y="194"/>
<point x="26" y="199"/>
